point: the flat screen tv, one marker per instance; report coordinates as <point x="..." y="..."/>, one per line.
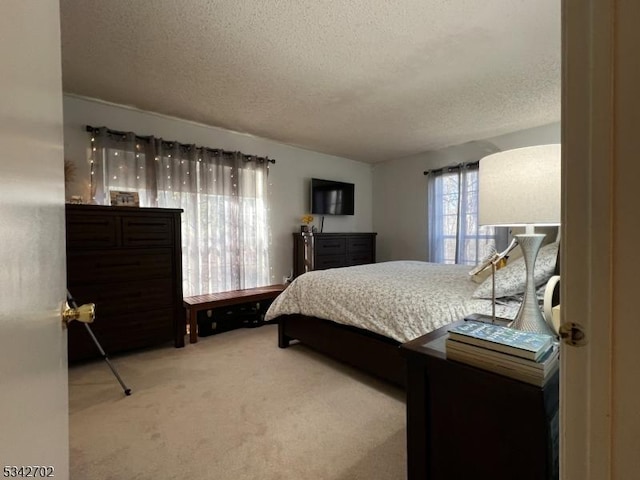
<point x="331" y="198"/>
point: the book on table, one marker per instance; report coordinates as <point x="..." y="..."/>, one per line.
<point x="531" y="371"/>
<point x="503" y="366"/>
<point x="541" y="366"/>
<point x="526" y="345"/>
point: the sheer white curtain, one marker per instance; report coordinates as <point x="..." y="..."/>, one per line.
<point x="224" y="195"/>
<point x="453" y="232"/>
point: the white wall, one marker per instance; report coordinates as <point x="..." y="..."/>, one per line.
<point x="400" y="189"/>
<point x="289" y="177"/>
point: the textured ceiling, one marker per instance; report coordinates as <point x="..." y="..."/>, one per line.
<point x="363" y="79"/>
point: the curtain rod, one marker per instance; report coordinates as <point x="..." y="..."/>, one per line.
<point x="452" y="167"/>
<point x="248" y="158"/>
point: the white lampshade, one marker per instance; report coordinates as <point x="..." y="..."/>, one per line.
<point x="520" y="187"/>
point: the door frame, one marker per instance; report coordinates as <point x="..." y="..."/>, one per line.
<point x="600" y="144"/>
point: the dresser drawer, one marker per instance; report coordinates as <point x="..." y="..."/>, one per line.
<point x="126" y="323"/>
<point x="123" y="332"/>
<point x="360" y="244"/>
<point x="329" y="261"/>
<point x="121" y="297"/>
<point x="91" y="231"/>
<point x="139" y="329"/>
<point x="146" y="231"/>
<point x="330" y="246"/>
<point x="117" y="266"/>
<point x="359" y="258"/>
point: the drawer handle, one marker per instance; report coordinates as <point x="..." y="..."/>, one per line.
<point x="146" y="239"/>
<point x="147" y="224"/>
<point x="117" y="265"/>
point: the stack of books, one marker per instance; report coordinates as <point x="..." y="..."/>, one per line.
<point x="525" y="356"/>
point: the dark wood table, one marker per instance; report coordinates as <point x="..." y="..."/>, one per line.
<point x="465" y="422"/>
<point x="197" y="303"/>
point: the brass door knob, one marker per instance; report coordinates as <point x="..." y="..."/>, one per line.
<point x="84" y="313"/>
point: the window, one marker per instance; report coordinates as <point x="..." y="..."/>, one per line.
<point x="223" y="195"/>
<point x="454" y="235"/>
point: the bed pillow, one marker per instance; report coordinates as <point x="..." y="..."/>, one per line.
<point x="510" y="280"/>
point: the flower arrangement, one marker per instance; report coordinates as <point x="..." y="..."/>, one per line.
<point x="306" y="220"/>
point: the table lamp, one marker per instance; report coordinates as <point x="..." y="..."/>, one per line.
<point x="521" y="188"/>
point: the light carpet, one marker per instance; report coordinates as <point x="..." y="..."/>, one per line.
<point x="234" y="406"/>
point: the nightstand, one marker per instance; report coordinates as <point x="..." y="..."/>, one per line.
<point x="464" y="422"/>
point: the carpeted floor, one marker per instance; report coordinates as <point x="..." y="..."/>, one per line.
<point x="234" y="406"/>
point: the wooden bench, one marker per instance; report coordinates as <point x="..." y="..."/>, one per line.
<point x="197" y="303"/>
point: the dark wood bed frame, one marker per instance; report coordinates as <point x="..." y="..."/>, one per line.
<point x="375" y="354"/>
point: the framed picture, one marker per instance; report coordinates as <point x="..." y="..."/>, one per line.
<point x="124" y="199"/>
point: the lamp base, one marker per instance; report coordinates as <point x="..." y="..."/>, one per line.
<point x="529" y="317"/>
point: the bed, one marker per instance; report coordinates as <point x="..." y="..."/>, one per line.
<point x="360" y="315"/>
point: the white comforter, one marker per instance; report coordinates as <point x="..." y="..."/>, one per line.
<point x="401" y="300"/>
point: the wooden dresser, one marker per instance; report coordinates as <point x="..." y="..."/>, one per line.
<point x="331" y="250"/>
<point x="128" y="262"/>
